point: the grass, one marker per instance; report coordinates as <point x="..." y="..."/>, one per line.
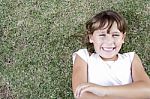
<point x="38" y="37"/>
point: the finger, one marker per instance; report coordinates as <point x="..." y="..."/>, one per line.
<point x="77" y="92"/>
<point x="84" y="90"/>
<point x="81" y="89"/>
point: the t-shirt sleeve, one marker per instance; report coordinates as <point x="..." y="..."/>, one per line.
<point x="83" y="53"/>
<point x="131" y="55"/>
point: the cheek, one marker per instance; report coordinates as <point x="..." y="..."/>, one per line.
<point x="119" y="41"/>
<point x="97" y="40"/>
<point x="96" y="45"/>
<point x="118" y="45"/>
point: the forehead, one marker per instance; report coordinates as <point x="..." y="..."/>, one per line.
<point x="113" y="28"/>
<point x="110" y="25"/>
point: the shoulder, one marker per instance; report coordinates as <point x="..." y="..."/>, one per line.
<point x="132" y="56"/>
<point x="82" y="53"/>
<point x="84" y="50"/>
<point x="128" y="55"/>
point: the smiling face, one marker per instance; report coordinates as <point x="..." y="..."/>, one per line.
<point x="107" y="45"/>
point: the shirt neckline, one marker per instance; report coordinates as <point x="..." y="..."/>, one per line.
<point x="110" y="61"/>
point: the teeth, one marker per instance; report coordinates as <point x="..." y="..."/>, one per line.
<point x="108" y="48"/>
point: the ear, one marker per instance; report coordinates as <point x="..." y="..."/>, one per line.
<point x="90" y="38"/>
<point x="124" y="35"/>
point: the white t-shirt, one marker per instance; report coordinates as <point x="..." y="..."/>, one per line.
<point x="107" y="73"/>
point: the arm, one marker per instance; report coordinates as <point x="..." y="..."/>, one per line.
<point x="139" y="89"/>
<point x="79" y="76"/>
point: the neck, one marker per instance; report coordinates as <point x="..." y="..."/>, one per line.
<point x="110" y="59"/>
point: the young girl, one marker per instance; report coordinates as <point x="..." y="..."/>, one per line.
<point x="100" y="71"/>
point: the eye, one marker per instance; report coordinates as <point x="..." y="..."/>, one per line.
<point x="115" y="35"/>
<point x="102" y="35"/>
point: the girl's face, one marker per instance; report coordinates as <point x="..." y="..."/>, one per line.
<point x="107" y="45"/>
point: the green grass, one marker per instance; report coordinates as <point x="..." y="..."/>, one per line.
<point x="38" y="37"/>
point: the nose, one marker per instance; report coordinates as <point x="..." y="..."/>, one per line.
<point x="109" y="39"/>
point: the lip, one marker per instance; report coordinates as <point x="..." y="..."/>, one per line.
<point x="108" y="49"/>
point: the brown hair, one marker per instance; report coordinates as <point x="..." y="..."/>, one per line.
<point x="99" y="21"/>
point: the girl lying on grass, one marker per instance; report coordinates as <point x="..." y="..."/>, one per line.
<point x="100" y="71"/>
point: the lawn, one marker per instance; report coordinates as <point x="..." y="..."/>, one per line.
<point x="38" y="37"/>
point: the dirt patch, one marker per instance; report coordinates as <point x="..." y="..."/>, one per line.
<point x="5" y="92"/>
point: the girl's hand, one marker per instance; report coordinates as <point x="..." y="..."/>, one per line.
<point x="89" y="87"/>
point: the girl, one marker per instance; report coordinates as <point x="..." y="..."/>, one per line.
<point x="100" y="71"/>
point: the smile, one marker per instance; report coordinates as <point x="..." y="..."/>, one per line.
<point x="108" y="49"/>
